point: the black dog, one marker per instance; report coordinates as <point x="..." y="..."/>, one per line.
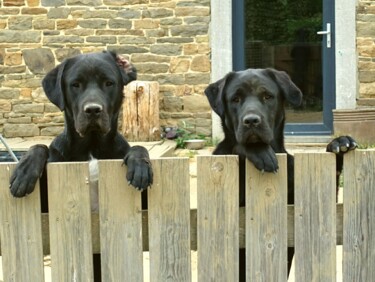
<point x="250" y="104"/>
<point x="89" y="89"/>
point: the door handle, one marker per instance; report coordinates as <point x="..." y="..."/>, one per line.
<point x="328" y="33"/>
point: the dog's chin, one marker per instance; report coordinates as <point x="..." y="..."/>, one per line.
<point x="252" y="137"/>
<point x="92" y="130"/>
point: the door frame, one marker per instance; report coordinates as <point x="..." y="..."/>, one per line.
<point x="346" y="52"/>
<point x="328" y="69"/>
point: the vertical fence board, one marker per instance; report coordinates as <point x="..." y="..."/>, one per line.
<point x="21" y="232"/>
<point x="120" y="225"/>
<point x="315" y="217"/>
<point x="70" y="221"/>
<point x="218" y="218"/>
<point x="266" y="221"/>
<point x="169" y="221"/>
<point x="359" y="216"/>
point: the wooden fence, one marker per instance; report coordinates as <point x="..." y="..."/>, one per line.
<point x="169" y="230"/>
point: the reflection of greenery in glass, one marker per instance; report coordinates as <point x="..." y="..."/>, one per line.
<point x="278" y="21"/>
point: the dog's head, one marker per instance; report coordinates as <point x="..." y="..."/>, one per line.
<point x="89" y="88"/>
<point x="250" y="103"/>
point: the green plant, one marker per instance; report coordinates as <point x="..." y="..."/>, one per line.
<point x="185" y="134"/>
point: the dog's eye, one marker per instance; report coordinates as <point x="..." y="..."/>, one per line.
<point x="76" y="84"/>
<point x="236" y="99"/>
<point x="109" y="83"/>
<point x="267" y="96"/>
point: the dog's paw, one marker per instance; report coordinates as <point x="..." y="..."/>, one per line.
<point x="262" y="156"/>
<point x="341" y="145"/>
<point x="28" y="171"/>
<point x="139" y="173"/>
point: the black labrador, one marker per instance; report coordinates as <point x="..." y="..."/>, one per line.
<point x="89" y="89"/>
<point x="250" y="104"/>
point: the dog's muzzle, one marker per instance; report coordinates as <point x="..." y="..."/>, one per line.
<point x="92" y="118"/>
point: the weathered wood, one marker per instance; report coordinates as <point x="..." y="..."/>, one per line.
<point x="140" y="121"/>
<point x="70" y="221"/>
<point x="169" y="221"/>
<point x="218" y="218"/>
<point x="359" y="216"/>
<point x="20" y="232"/>
<point x="266" y="233"/>
<point x="315" y="217"/>
<point x="193" y="229"/>
<point x="120" y="225"/>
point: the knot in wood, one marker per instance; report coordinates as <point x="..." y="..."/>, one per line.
<point x="140" y="90"/>
<point x="270" y="191"/>
<point x="217" y="167"/>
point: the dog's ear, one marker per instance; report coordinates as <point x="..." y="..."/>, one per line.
<point x="290" y="91"/>
<point x="52" y="85"/>
<point x="128" y="71"/>
<point x="214" y="93"/>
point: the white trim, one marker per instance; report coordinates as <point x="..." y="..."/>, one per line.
<point x="346" y="55"/>
<point x="221" y="49"/>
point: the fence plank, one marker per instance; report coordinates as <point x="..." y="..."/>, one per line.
<point x="218" y="218"/>
<point x="70" y="221"/>
<point x="315" y="217"/>
<point x="20" y="231"/>
<point x="120" y="225"/>
<point x="169" y="221"/>
<point x="359" y="214"/>
<point x="266" y="214"/>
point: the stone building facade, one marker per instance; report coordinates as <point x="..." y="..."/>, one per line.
<point x="167" y="41"/>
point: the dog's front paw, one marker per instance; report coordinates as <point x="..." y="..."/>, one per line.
<point x="140" y="173"/>
<point x="341" y="145"/>
<point x="28" y="171"/>
<point x="262" y="156"/>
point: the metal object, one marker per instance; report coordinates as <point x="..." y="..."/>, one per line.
<point x="328" y="33"/>
<point x="8" y="148"/>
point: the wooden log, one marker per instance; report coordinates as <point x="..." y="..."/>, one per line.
<point x="140" y="121"/>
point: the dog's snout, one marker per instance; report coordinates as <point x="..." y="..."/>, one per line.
<point x="93" y="109"/>
<point x="252" y="120"/>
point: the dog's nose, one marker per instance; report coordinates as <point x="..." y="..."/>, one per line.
<point x="251" y="120"/>
<point x="93" y="110"/>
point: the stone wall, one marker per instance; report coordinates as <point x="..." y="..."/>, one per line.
<point x="167" y="40"/>
<point x="366" y="52"/>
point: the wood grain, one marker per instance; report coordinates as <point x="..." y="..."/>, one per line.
<point x="140" y="121"/>
<point x="266" y="221"/>
<point x="169" y="221"/>
<point x="359" y="216"/>
<point x="120" y="224"/>
<point x="218" y="218"/>
<point x="70" y="221"/>
<point x="20" y="232"/>
<point x="315" y="217"/>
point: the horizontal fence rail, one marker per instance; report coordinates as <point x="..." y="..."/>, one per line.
<point x="217" y="229"/>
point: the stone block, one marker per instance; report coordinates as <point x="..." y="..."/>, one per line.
<point x="201" y="63"/>
<point x="58" y="13"/>
<point x="189" y="30"/>
<point x="20" y="22"/>
<point x="39" y="61"/>
<point x="20" y="130"/>
<point x="196" y="104"/>
<point x="28" y="108"/>
<point x="9" y="93"/>
<point x="166" y="49"/>
<point x="51" y="130"/>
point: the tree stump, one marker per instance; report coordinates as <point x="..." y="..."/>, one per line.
<point x="141" y="111"/>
